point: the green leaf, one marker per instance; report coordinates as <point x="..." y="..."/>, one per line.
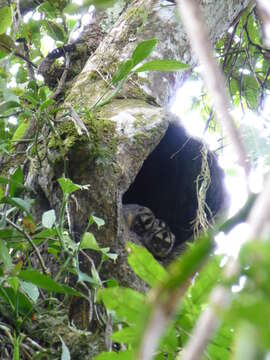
<point x="48" y="219"/>
<point x="111" y="283"/>
<point x="47" y="233"/>
<point x="14" y="282"/>
<point x="253" y="30"/>
<point x="6" y="45"/>
<point x="43" y="93"/>
<point x="30" y="290"/>
<point x="98" y="221"/>
<point x="5" y="256"/>
<point x="169" y="341"/>
<point x="103" y="3"/>
<point x="163" y="65"/>
<point x="46" y="282"/>
<point x="3" y="74"/>
<point x="20" y="131"/>
<point x="19" y="203"/>
<point x="67" y="186"/>
<point x="5" y="18"/>
<point x="143" y="50"/>
<point x="252" y="307"/>
<point x="16" y="300"/>
<point x="46" y="103"/>
<point x="234" y="87"/>
<point x="95" y="275"/>
<point x="126" y="335"/>
<point x="16" y="347"/>
<point x="54" y="30"/>
<point x="9" y="234"/>
<point x="222" y="343"/>
<point x="5" y="297"/>
<point x="123" y="71"/>
<point x="4" y="180"/>
<point x="16" y="182"/>
<point x="89" y="242"/>
<point x="65" y="355"/>
<point x="187" y="264"/>
<point x="108" y="255"/>
<point x="48" y="9"/>
<point x="9" y="95"/>
<point x="127" y="303"/>
<point x="31" y="32"/>
<point x="31" y="98"/>
<point x="144" y="265"/>
<point x="72" y="9"/>
<point x="82" y="277"/>
<point x="21" y="76"/>
<point x="8" y="105"/>
<point x="33" y="88"/>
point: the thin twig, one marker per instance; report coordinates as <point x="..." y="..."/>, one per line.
<point x="61" y="84"/>
<point x="212" y="75"/>
<point x="264" y="12"/>
<point x="29" y="65"/>
<point x="23" y="57"/>
<point x="78" y="123"/>
<point x="29" y="239"/>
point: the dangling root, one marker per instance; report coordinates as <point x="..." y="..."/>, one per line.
<point x="203" y="181"/>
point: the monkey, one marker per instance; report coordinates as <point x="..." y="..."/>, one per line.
<point x="151" y="231"/>
<point x="166" y="185"/>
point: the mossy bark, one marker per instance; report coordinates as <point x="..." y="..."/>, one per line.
<point x="123" y="132"/>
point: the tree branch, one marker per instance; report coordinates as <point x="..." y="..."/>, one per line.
<point x="220" y="297"/>
<point x="213" y="77"/>
<point x="264" y="12"/>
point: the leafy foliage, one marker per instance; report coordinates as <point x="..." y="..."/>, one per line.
<point x="20" y="283"/>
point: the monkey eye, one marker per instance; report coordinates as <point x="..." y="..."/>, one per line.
<point x="148" y="221"/>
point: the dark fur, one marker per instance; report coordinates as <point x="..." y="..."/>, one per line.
<point x="166" y="182"/>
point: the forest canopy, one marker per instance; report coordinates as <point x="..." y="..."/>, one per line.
<point x="73" y="282"/>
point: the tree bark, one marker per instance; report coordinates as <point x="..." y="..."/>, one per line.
<point x="130" y="126"/>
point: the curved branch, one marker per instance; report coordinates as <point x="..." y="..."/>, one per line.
<point x="213" y="77"/>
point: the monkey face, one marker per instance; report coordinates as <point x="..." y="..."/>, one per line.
<point x="159" y="240"/>
<point x="154" y="233"/>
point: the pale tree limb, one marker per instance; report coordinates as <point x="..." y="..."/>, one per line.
<point x="259" y="215"/>
<point x="264" y="12"/>
<point x="159" y="320"/>
<point x="206" y="326"/>
<point x="209" y="321"/>
<point x="165" y="302"/>
<point x="164" y="310"/>
<point x="220" y="297"/>
<point x="212" y="75"/>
